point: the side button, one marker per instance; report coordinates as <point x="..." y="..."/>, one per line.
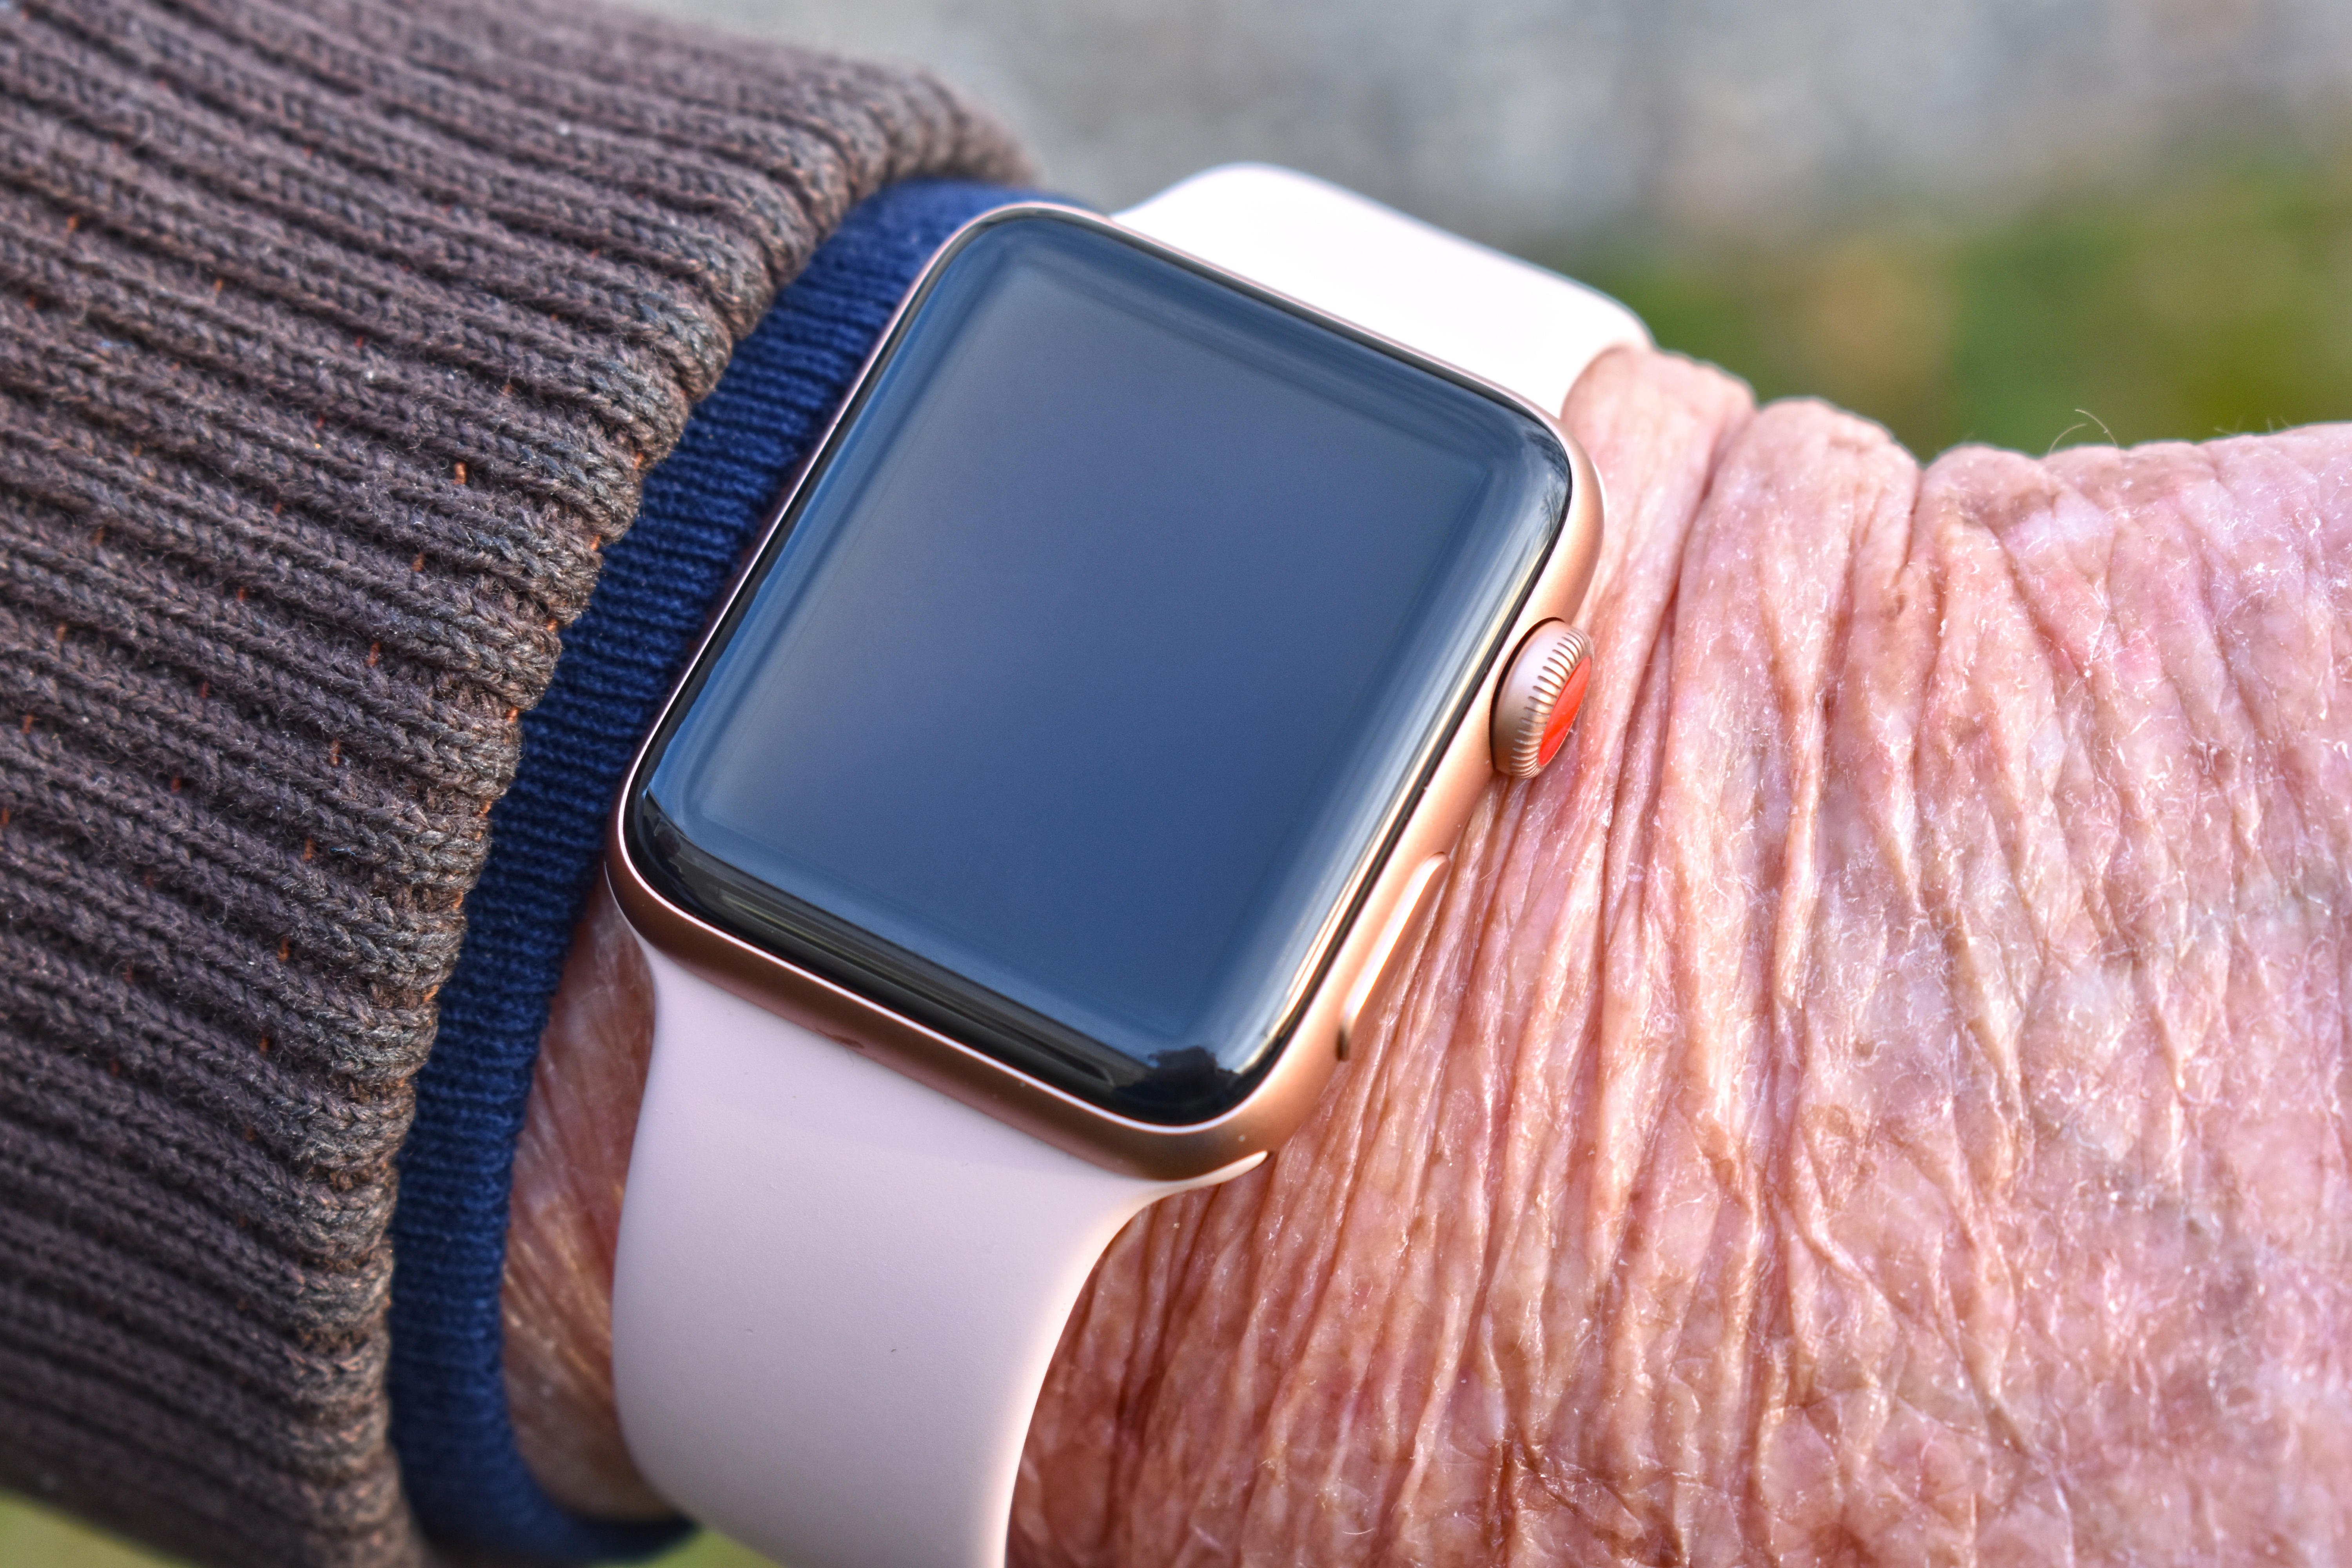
<point x="1538" y="697"/>
<point x="1423" y="881"/>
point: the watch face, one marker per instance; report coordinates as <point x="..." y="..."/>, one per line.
<point x="1095" y="661"/>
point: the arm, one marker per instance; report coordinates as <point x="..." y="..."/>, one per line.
<point x="1883" y="1095"/>
<point x="336" y="344"/>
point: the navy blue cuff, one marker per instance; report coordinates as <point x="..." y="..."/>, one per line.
<point x="702" y="506"/>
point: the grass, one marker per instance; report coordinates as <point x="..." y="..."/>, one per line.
<point x="2217" y="302"/>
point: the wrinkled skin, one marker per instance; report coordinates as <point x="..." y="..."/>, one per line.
<point x="1880" y="1097"/>
<point x="570" y="1165"/>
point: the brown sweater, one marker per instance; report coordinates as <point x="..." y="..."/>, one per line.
<point x="333" y="340"/>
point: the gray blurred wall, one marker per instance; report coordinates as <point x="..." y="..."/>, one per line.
<point x="1549" y="123"/>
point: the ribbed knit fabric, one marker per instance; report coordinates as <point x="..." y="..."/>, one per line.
<point x="333" y="342"/>
<point x="703" y="506"/>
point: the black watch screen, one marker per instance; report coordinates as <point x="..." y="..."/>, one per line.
<point x="1099" y="653"/>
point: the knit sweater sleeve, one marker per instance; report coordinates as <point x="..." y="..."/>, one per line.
<point x="335" y="342"/>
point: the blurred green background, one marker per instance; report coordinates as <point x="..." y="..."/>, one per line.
<point x="2216" y="300"/>
<point x="32" y="1537"/>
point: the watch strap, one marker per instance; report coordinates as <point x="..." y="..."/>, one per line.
<point x="840" y="1289"/>
<point x="1526" y="329"/>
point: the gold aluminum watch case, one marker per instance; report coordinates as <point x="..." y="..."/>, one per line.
<point x="1303" y="1061"/>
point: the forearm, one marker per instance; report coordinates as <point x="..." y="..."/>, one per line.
<point x="1883" y="1097"/>
<point x="1880" y="1094"/>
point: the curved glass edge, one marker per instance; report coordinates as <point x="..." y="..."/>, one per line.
<point x="1174" y="1093"/>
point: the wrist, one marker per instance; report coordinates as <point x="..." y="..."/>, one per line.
<point x="571" y="1165"/>
<point x="1797" y="1126"/>
<point x="561" y="1317"/>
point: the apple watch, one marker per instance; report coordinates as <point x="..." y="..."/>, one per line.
<point x="1040" y="815"/>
